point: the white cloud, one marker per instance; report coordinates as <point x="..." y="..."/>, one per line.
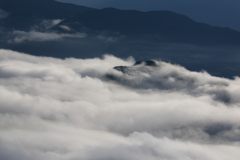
<point x="64" y="27"/>
<point x="21" y="36"/>
<point x="47" y="24"/>
<point x="69" y="109"/>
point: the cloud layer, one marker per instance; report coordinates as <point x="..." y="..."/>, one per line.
<point x="84" y="109"/>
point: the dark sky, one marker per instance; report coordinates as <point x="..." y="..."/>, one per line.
<point x="223" y="13"/>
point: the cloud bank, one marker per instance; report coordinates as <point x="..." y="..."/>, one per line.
<point x="72" y="109"/>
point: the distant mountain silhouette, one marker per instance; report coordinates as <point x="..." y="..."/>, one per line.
<point x="24" y="13"/>
<point x="167" y="26"/>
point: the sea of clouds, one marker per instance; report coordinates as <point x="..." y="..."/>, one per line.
<point x="83" y="109"/>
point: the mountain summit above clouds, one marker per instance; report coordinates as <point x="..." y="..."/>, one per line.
<point x="165" y="25"/>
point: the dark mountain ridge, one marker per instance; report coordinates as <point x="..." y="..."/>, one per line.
<point x="170" y="26"/>
<point x="42" y="8"/>
<point x="24" y="13"/>
<point x="166" y="25"/>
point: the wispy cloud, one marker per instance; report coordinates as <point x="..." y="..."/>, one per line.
<point x="47" y="24"/>
<point x="21" y="36"/>
<point x="64" y="27"/>
<point x="43" y="31"/>
<point x="70" y="109"/>
<point x="3" y="14"/>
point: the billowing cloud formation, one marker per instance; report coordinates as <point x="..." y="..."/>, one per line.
<point x="165" y="76"/>
<point x="83" y="109"/>
<point x="21" y="36"/>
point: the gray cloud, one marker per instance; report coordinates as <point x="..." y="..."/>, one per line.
<point x="67" y="109"/>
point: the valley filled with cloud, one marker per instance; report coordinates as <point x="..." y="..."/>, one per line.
<point x="69" y="109"/>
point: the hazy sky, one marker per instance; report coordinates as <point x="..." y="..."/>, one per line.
<point x="215" y="12"/>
